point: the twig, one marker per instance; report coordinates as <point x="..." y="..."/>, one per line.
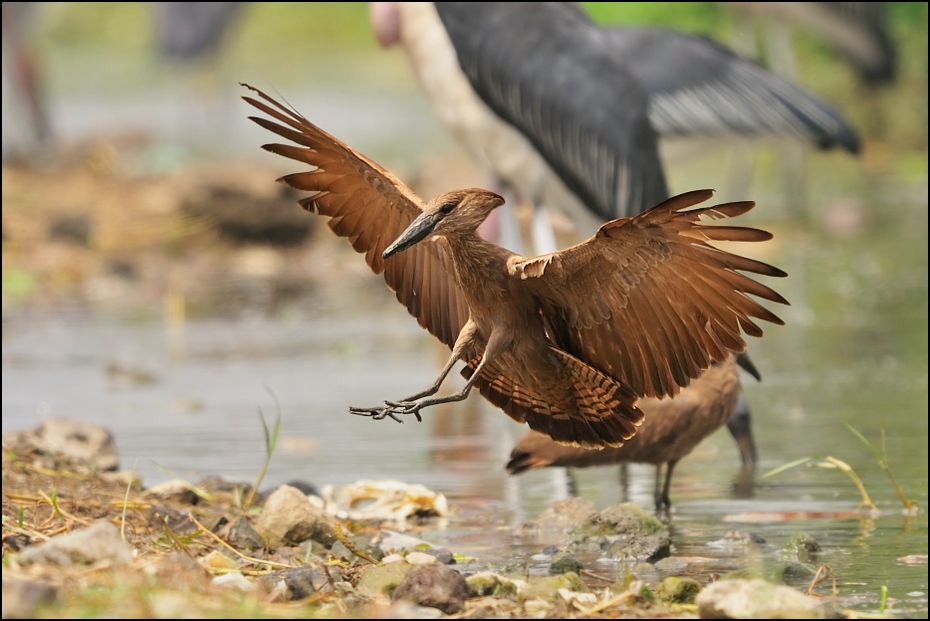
<point x="234" y="550"/>
<point x="340" y="534"/>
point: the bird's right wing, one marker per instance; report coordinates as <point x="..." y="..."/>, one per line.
<point x="371" y="208"/>
<point x="647" y="300"/>
<point x="545" y="68"/>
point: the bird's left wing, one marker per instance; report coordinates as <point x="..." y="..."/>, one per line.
<point x="647" y="300"/>
<point x="371" y="208"/>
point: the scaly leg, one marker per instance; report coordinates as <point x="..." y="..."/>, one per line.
<point x="423" y="399"/>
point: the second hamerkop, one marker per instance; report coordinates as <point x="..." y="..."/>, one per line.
<point x="566" y="342"/>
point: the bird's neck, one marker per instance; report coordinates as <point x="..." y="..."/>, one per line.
<point x="477" y="263"/>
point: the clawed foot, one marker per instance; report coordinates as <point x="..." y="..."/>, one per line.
<point x="391" y="409"/>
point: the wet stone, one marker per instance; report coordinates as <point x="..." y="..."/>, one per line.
<point x="793" y="572"/>
<point x="564" y="562"/>
<point x="441" y="554"/>
<point x="488" y="584"/>
<point x="546" y="587"/>
<point x="675" y="590"/>
<point x="623" y="531"/>
<point x="383" y="579"/>
<point x="758" y="599"/>
<point x="564" y="515"/>
<point x="802" y="548"/>
<point x="434" y="585"/>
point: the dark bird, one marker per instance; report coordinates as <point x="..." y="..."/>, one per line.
<point x="566" y="342"/>
<point x="568" y="113"/>
<point x="857" y="31"/>
<point x="673" y="428"/>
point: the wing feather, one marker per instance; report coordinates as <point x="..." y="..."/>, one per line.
<point x="370" y="207"/>
<point x="674" y="302"/>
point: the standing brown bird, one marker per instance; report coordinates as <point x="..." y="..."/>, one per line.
<point x="675" y="426"/>
<point x="566" y="342"/>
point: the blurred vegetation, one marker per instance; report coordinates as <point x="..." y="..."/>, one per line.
<point x="299" y="43"/>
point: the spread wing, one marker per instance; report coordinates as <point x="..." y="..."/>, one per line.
<point x="648" y="301"/>
<point x="371" y="208"/>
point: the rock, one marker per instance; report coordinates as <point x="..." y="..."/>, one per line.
<point x="79" y="444"/>
<point x="101" y="541"/>
<point x="218" y="560"/>
<point x="383" y="579"/>
<point x="623" y="531"/>
<point x="301" y="582"/>
<point x="745" y="573"/>
<point x="675" y="590"/>
<point x="420" y="558"/>
<point x="563" y="515"/>
<point x="175" y="490"/>
<point x="670" y="565"/>
<point x="243" y="536"/>
<point x="488" y="584"/>
<point x="386" y="500"/>
<point x="758" y="599"/>
<point x="434" y="585"/>
<point x="176" y="520"/>
<point x="564" y="562"/>
<point x="793" y="572"/>
<point x="802" y="548"/>
<point x="22" y="597"/>
<point x="440" y="554"/>
<point x="288" y="517"/>
<point x="546" y="587"/>
<point x="361" y="544"/>
<point x="234" y="580"/>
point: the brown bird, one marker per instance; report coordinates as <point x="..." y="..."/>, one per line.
<point x="674" y="427"/>
<point x="566" y="342"/>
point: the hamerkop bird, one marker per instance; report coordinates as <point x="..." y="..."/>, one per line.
<point x="566" y="342"/>
<point x="673" y="428"/>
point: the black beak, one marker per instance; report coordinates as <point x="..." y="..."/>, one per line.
<point x="746" y="363"/>
<point x="416" y="232"/>
<point x="740" y="427"/>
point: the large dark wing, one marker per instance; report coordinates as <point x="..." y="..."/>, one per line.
<point x="648" y="301"/>
<point x="696" y="86"/>
<point x="546" y="69"/>
<point x="371" y="208"/>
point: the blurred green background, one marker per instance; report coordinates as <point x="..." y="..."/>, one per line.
<point x="298" y="43"/>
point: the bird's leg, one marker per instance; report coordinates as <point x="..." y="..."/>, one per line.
<point x="392" y="408"/>
<point x="497" y="342"/>
<point x="663" y="502"/>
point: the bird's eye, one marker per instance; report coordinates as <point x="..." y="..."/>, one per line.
<point x="447" y="208"/>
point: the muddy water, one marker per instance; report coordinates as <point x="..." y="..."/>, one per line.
<point x="854" y="351"/>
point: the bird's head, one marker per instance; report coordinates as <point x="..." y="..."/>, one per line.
<point x="451" y="212"/>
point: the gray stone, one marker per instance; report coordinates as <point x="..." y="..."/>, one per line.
<point x="383" y="579"/>
<point x="21" y="597"/>
<point x="101" y="541"/>
<point x="564" y="515"/>
<point x="289" y="517"/>
<point x="758" y="599"/>
<point x="301" y="582"/>
<point x="623" y="531"/>
<point x="434" y="585"/>
<point x="75" y="442"/>
<point x="243" y="536"/>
